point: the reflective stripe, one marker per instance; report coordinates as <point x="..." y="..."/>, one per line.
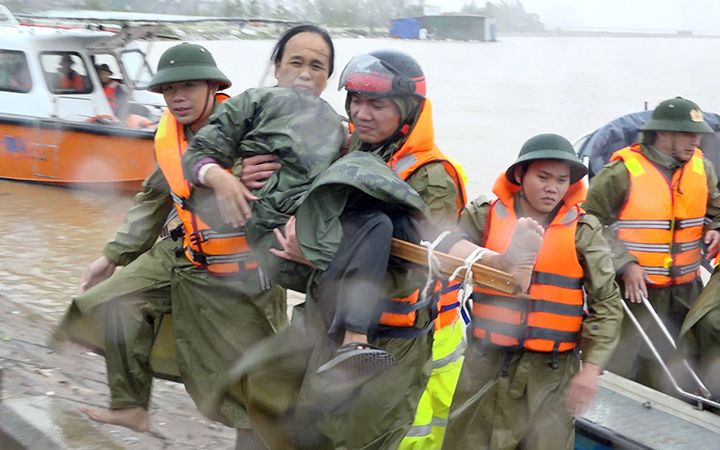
<point x="439" y="422"/>
<point x="653" y="224"/>
<point x="206" y="235"/>
<point x="452" y="357"/>
<point x="652" y="248"/>
<point x="688" y="223"/>
<point x="417" y="431"/>
<point x="177" y="199"/>
<point x="553" y="279"/>
<point x="404" y="163"/>
<point x="685" y="246"/>
<point x="674" y="270"/>
<point x="570" y="216"/>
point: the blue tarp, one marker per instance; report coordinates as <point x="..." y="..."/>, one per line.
<point x="623" y="131"/>
<point x="405" y="28"/>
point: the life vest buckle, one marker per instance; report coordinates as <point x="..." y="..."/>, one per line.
<point x="667" y="262"/>
<point x="177" y="232"/>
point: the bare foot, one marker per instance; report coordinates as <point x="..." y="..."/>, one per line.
<point x="135" y="418"/>
<point x="519" y="258"/>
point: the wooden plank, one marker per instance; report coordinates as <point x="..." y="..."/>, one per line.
<point x="482" y="275"/>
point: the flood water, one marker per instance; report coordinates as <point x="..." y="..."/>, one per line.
<point x="488" y="98"/>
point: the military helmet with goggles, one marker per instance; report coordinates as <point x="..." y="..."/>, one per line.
<point x="383" y="73"/>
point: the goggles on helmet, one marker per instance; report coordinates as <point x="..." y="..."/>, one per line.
<point x="368" y="75"/>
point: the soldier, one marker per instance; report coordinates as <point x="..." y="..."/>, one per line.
<point x="520" y="384"/>
<point x="198" y="269"/>
<point x="654" y="199"/>
<point x="310" y="405"/>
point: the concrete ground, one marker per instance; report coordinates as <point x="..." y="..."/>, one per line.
<point x="40" y="391"/>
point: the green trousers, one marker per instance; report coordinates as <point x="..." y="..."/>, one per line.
<point x="428" y="428"/>
<point x="290" y="406"/>
<point x="120" y="317"/>
<point x="524" y="408"/>
<point x="215" y="320"/>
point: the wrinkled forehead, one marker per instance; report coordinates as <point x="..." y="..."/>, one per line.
<point x="307" y="45"/>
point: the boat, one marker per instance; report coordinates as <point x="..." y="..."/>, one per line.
<point x="68" y="134"/>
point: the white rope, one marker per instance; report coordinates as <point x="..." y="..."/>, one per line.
<point x="466" y="289"/>
<point x="432" y="262"/>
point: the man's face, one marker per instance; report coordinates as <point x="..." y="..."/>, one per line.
<point x="678" y="144"/>
<point x="305" y="64"/>
<point x="544" y="185"/>
<point x="187" y="100"/>
<point x="375" y="119"/>
<point x="104" y="76"/>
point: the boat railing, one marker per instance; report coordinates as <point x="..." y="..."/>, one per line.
<point x="705" y="399"/>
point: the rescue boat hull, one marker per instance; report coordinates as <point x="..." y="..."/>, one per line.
<point x="71" y="154"/>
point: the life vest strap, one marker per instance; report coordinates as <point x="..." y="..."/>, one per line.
<point x="244" y="258"/>
<point x="554" y="279"/>
<point x="206" y="235"/>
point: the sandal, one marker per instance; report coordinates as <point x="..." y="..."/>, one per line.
<point x="357" y="358"/>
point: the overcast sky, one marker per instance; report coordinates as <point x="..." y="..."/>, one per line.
<point x="664" y="15"/>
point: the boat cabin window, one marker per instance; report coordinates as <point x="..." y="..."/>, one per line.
<point x="137" y="68"/>
<point x="65" y="73"/>
<point x="14" y="73"/>
<point x="112" y="82"/>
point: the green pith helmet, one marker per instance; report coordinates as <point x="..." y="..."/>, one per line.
<point x="677" y="114"/>
<point x="548" y="146"/>
<point x="187" y="62"/>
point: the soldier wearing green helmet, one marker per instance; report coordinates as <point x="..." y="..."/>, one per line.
<point x="219" y="310"/>
<point x="521" y="382"/>
<point x="659" y="203"/>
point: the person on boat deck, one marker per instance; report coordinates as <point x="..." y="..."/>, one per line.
<point x="116" y="94"/>
<point x="522" y="381"/>
<point x="220" y="302"/>
<point x="68" y="79"/>
<point x="659" y="202"/>
<point x="341" y="233"/>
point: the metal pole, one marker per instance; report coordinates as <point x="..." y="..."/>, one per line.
<point x="705" y="391"/>
<point x="655" y="353"/>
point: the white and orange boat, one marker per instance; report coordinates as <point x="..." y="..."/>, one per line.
<point x="57" y="124"/>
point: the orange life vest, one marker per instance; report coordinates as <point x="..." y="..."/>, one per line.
<point x="218" y="253"/>
<point x="418" y="150"/>
<point x="111" y="94"/>
<point x="73" y="81"/>
<point x="662" y="221"/>
<point x="551" y="318"/>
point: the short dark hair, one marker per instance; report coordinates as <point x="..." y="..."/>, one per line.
<point x="279" y="49"/>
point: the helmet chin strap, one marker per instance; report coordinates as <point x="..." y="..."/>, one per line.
<point x="205" y="106"/>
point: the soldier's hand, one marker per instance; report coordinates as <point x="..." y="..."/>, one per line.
<point x="99" y="270"/>
<point x="582" y="389"/>
<point x="288" y="242"/>
<point x="257" y="169"/>
<point x="635" y="280"/>
<point x="231" y="195"/>
<point x="712" y="240"/>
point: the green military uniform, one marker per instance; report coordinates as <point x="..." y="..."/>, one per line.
<point x="215" y="319"/>
<point x="506" y="412"/>
<point x="608" y="191"/>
